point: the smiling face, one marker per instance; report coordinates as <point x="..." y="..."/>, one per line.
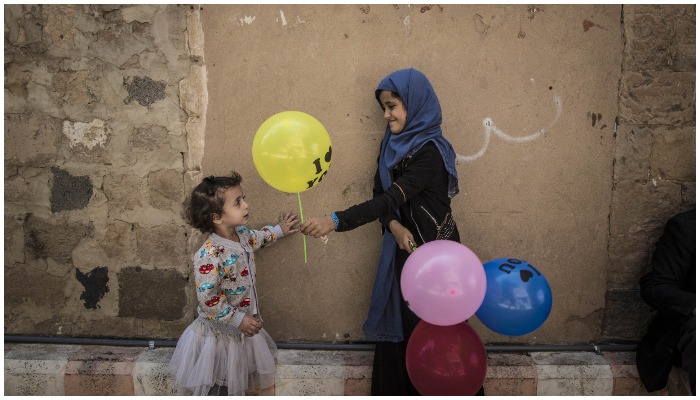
<point x="394" y="111"/>
<point x="234" y="212"/>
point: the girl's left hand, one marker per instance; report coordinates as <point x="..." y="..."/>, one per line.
<point x="289" y="223"/>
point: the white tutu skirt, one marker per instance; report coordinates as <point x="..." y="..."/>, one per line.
<point x="205" y="357"/>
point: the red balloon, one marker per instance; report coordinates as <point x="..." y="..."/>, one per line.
<point x="446" y="360"/>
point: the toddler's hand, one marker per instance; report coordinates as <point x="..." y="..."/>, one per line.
<point x="250" y="326"/>
<point x="289" y="222"/>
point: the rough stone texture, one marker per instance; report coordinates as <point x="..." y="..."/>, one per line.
<point x="30" y="139"/>
<point x="632" y="152"/>
<point x="69" y="192"/>
<point x="626" y="254"/>
<point x="123" y="192"/>
<point x="622" y="308"/>
<point x="79" y="158"/>
<point x="14" y="239"/>
<point x="643" y="207"/>
<point x="119" y="242"/>
<point x="166" y="189"/>
<point x="673" y="154"/>
<point x="144" y="90"/>
<point x="44" y="239"/>
<point x="162" y="246"/>
<point x="659" y="37"/>
<point x="510" y="375"/>
<point x="654" y="170"/>
<point x="152" y="377"/>
<point x="140" y="295"/>
<point x="662" y="97"/>
<point x="36" y="370"/>
<point x="50" y="365"/>
<point x="101" y="371"/>
<point x="95" y="283"/>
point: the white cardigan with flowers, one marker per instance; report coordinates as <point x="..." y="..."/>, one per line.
<point x="224" y="273"/>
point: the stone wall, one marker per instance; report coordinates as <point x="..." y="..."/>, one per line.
<point x="102" y="123"/>
<point x="654" y="168"/>
<point x="104" y="135"/>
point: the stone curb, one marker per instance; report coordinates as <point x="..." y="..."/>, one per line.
<point x="49" y="369"/>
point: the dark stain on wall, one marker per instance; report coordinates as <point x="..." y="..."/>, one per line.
<point x="144" y="90"/>
<point x="69" y="192"/>
<point x="95" y="283"/>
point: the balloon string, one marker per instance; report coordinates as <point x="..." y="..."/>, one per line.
<point x="301" y="212"/>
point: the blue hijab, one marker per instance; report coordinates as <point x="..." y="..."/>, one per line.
<point x="423" y="119"/>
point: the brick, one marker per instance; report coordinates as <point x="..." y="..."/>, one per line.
<point x="35" y="369"/>
<point x="101" y="371"/>
<point x="510" y="375"/>
<point x="152" y="377"/>
<point x="572" y="374"/>
<point x="357" y="387"/>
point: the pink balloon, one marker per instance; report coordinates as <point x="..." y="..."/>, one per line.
<point x="443" y="282"/>
<point x="446" y="360"/>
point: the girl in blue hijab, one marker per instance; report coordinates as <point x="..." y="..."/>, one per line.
<point x="414" y="183"/>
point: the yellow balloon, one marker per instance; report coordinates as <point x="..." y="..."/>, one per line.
<point x="292" y="151"/>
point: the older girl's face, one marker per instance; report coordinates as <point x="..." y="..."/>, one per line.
<point x="394" y="111"/>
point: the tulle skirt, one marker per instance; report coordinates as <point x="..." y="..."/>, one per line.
<point x="205" y="357"/>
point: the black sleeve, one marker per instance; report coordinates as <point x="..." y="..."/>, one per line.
<point x="665" y="287"/>
<point x="377" y="191"/>
<point x="419" y="173"/>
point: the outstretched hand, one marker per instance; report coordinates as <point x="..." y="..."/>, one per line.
<point x="318" y="226"/>
<point x="289" y="222"/>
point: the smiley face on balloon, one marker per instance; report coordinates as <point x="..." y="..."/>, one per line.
<point x="292" y="151"/>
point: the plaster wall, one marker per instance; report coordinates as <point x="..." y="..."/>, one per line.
<point x="529" y="98"/>
<point x="574" y="125"/>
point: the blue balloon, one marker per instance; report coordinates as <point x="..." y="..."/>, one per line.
<point x="518" y="298"/>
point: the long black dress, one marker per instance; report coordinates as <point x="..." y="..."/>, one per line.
<point x="419" y="192"/>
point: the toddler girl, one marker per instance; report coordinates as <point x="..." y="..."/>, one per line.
<point x="226" y="350"/>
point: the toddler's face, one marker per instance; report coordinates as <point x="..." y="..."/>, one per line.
<point x="235" y="210"/>
<point x="394" y="111"/>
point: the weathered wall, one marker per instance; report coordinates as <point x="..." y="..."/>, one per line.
<point x="575" y="127"/>
<point x="98" y="104"/>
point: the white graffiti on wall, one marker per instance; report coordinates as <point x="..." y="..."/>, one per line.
<point x="490" y="127"/>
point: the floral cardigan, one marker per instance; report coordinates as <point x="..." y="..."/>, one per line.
<point x="225" y="274"/>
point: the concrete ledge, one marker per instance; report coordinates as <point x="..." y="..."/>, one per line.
<point x="49" y="369"/>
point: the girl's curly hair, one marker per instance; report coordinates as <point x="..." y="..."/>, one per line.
<point x="207" y="200"/>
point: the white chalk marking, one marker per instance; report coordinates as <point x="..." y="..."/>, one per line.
<point x="490" y="127"/>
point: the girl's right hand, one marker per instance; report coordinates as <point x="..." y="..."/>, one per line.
<point x="318" y="226"/>
<point x="250" y="326"/>
<point x="404" y="237"/>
